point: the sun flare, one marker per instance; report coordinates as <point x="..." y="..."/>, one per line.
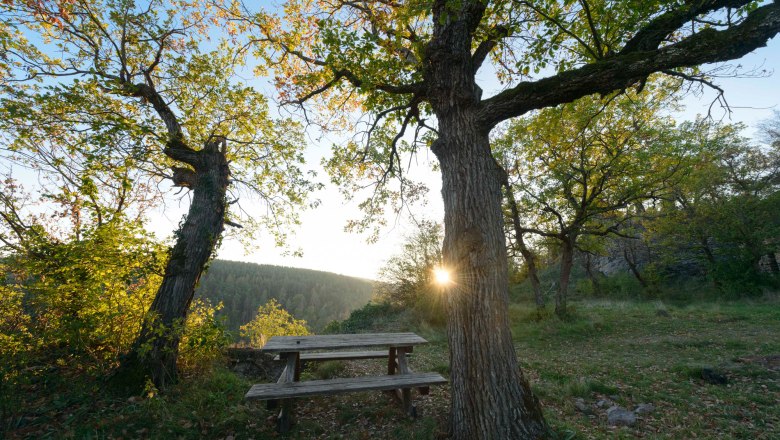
<point x="442" y="276"/>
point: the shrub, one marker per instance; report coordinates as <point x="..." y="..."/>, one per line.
<point x="272" y="320"/>
<point x="204" y="336"/>
<point x="371" y="316"/>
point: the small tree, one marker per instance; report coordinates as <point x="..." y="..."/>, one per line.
<point x="272" y="320"/>
<point x="407" y="278"/>
<point x="139" y="71"/>
<point x="579" y="169"/>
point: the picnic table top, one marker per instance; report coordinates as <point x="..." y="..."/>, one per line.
<point x="329" y="342"/>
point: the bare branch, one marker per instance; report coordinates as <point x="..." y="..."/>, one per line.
<point x="721" y="94"/>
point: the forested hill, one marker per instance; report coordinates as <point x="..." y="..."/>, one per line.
<point x="318" y="297"/>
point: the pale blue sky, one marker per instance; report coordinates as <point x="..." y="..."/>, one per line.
<point x="325" y="244"/>
<point x="321" y="236"/>
<point x="327" y="247"/>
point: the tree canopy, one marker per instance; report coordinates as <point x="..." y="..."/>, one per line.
<point x="143" y="83"/>
<point x="581" y="169"/>
<point x="405" y="64"/>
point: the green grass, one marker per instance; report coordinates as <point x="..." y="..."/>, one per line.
<point x="622" y="351"/>
<point x="628" y="351"/>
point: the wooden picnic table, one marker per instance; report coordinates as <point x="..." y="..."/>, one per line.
<point x="292" y="349"/>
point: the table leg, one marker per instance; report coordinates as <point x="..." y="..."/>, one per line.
<point x="297" y="377"/>
<point x="291" y="373"/>
<point x="391" y="361"/>
<point x="406" y="393"/>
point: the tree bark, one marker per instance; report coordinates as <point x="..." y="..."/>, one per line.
<point x="528" y="255"/>
<point x="491" y="399"/>
<point x="567" y="261"/>
<point x="629" y="255"/>
<point x="154" y="353"/>
<point x="588" y="263"/>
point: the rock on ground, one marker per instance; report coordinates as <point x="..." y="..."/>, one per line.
<point x="581" y="406"/>
<point x="618" y="416"/>
<point x="644" y="408"/>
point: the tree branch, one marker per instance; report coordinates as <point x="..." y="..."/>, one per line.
<point x="721" y="97"/>
<point x="623" y="70"/>
<point x="562" y="28"/>
<point x="660" y="28"/>
<point x="484" y="48"/>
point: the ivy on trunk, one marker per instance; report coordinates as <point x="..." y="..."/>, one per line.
<point x="155" y="351"/>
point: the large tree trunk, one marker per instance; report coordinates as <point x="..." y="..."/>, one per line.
<point x="491" y="399"/>
<point x="154" y="353"/>
<point x="567" y="261"/>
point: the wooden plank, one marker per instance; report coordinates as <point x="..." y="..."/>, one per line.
<point x="335" y="342"/>
<point x="341" y="355"/>
<point x="267" y="391"/>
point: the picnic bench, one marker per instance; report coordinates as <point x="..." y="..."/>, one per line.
<point x="398" y="381"/>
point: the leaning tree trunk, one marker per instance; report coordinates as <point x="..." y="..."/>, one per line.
<point x="629" y="255"/>
<point x="154" y="353"/>
<point x="567" y="261"/>
<point x="533" y="272"/>
<point x="592" y="276"/>
<point x="528" y="255"/>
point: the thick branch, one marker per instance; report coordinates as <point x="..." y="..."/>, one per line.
<point x="622" y="70"/>
<point x="484" y="48"/>
<point x="659" y="29"/>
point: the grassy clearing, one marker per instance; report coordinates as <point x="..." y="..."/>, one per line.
<point x="631" y="353"/>
<point x="637" y="354"/>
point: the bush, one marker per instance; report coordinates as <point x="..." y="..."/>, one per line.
<point x="371" y="316"/>
<point x="204" y="337"/>
<point x="87" y="297"/>
<point x="431" y="309"/>
<point x="272" y="320"/>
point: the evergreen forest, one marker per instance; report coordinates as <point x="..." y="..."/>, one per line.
<point x="314" y="296"/>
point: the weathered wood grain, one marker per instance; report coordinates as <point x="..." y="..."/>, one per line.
<point x="333" y="342"/>
<point x="267" y="391"/>
<point x="341" y="355"/>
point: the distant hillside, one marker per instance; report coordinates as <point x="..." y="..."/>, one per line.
<point x="318" y="297"/>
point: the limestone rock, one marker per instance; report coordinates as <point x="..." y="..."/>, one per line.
<point x="604" y="403"/>
<point x="582" y="407"/>
<point x="618" y="416"/>
<point x="644" y="408"/>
